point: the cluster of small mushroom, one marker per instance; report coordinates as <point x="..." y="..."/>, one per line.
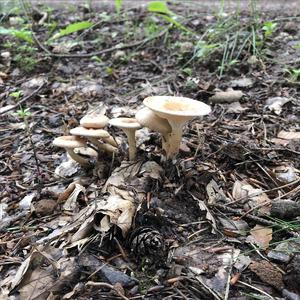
<point x="91" y="131"/>
<point x="164" y="114"/>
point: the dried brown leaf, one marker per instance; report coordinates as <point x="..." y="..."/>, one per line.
<point x="261" y="236"/>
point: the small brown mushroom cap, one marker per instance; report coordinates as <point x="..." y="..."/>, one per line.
<point x="90" y="132"/>
<point x="149" y="119"/>
<point x="69" y="142"/>
<point x="94" y="121"/>
<point x="125" y="123"/>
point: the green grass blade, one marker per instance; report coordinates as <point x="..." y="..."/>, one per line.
<point x="71" y="29"/>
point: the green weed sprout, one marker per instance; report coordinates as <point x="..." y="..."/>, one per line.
<point x="269" y="28"/>
<point x="17" y="95"/>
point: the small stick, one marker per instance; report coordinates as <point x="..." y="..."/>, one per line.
<point x="256" y="289"/>
<point x="24" y="99"/>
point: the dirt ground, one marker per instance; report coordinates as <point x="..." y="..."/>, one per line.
<point x="218" y="221"/>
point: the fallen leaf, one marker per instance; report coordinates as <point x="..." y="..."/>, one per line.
<point x="234" y="228"/>
<point x="275" y="104"/>
<point x="252" y="197"/>
<point x="235" y="108"/>
<point x="116" y="211"/>
<point x="25" y="203"/>
<point x="261" y="236"/>
<point x="71" y="202"/>
<point x="215" y="193"/>
<point x="288" y="135"/>
<point x="286" y="174"/>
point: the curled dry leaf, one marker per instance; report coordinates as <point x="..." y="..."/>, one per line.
<point x="275" y="104"/>
<point x="71" y="202"/>
<point x="215" y="193"/>
<point x="117" y="211"/>
<point x="261" y="236"/>
<point x="246" y="193"/>
<point x="286" y="174"/>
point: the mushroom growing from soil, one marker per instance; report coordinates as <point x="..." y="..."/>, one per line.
<point x="98" y="122"/>
<point x="148" y="118"/>
<point x="69" y="143"/>
<point x="92" y="135"/>
<point x="129" y="126"/>
<point x="177" y="111"/>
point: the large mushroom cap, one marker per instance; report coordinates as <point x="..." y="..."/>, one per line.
<point x="125" y="123"/>
<point x="94" y="121"/>
<point x="148" y="118"/>
<point x="173" y="108"/>
<point x="69" y="142"/>
<point x="89" y="132"/>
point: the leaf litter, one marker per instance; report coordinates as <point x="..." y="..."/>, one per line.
<point x="203" y="227"/>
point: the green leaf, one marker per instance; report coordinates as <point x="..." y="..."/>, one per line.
<point x="118" y="5"/>
<point x="71" y="29"/>
<point x="159" y="7"/>
<point x="24" y="35"/>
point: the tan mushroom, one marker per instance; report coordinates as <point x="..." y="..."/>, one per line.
<point x="92" y="135"/>
<point x="148" y="118"/>
<point x="94" y="121"/>
<point x="97" y="122"/>
<point x="129" y="126"/>
<point x="177" y="111"/>
<point x="70" y="143"/>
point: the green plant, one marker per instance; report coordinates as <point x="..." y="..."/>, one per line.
<point x="71" y="28"/>
<point x="203" y="49"/>
<point x="24" y="114"/>
<point x="26" y="63"/>
<point x="151" y="28"/>
<point x="21" y="34"/>
<point x="118" y="5"/>
<point x="17" y="95"/>
<point x="160" y="8"/>
<point x="295" y="74"/>
<point x="269" y="28"/>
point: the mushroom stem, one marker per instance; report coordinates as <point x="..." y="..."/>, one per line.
<point x="103" y="147"/>
<point x="165" y="142"/>
<point x="82" y="161"/>
<point x="174" y="139"/>
<point x="131" y="143"/>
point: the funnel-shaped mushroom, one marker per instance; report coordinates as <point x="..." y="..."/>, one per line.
<point x="177" y="111"/>
<point x="70" y="143"/>
<point x="148" y="118"/>
<point x="93" y="135"/>
<point x="129" y="126"/>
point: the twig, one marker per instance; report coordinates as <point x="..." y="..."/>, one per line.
<point x="239" y="212"/>
<point x="107" y="285"/>
<point x="229" y="277"/>
<point x="256" y="289"/>
<point x="108" y="50"/>
<point x="24" y="99"/>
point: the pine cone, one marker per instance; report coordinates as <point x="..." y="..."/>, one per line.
<point x="146" y="242"/>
